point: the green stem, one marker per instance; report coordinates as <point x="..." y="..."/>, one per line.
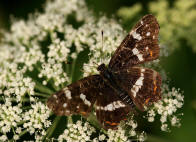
<point x="51" y="129"/>
<point x="93" y="121"/>
<point x="67" y="68"/>
<point x="26" y="107"/>
<point x="73" y="70"/>
<point x="43" y="88"/>
<point x="2" y="99"/>
<point x="15" y="100"/>
<point x="42" y="95"/>
<point x="194" y="104"/>
<point x="21" y="134"/>
<point x="69" y="119"/>
<point x="19" y="123"/>
<point x="23" y="100"/>
<point x="43" y="100"/>
<point x="54" y="86"/>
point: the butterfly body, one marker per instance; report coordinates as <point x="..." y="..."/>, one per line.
<point x="108" y="78"/>
<point x="122" y="86"/>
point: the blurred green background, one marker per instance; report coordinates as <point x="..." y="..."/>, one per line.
<point x="177" y="20"/>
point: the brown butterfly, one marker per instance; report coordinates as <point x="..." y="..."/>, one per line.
<point x="119" y="87"/>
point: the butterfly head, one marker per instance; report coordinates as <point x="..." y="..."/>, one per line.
<point x="102" y="68"/>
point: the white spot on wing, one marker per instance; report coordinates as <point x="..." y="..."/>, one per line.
<point x="65" y="105"/>
<point x="140" y="57"/>
<point x="82" y="96"/>
<point x="135" y="35"/>
<point x="112" y="106"/>
<point x="136" y="52"/>
<point x="97" y="107"/>
<point x="147" y="48"/>
<point x="55" y="96"/>
<point x="67" y="93"/>
<point x="142" y="70"/>
<point x="138" y="84"/>
<point x="109" y="107"/>
<point x="148" y="34"/>
<point x="86" y="102"/>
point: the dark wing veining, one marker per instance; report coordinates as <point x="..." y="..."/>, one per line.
<point x="110" y="110"/>
<point x="142" y="84"/>
<point x="77" y="98"/>
<point x="139" y="46"/>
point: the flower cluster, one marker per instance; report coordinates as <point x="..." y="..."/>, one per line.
<point x="118" y="135"/>
<point x="166" y="108"/>
<point x="17" y="121"/>
<point x="77" y="132"/>
<point x="34" y="58"/>
<point x="10" y="118"/>
<point x="36" y="119"/>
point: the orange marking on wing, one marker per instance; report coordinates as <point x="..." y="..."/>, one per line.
<point x="83" y="113"/>
<point x="147" y="100"/>
<point x="155" y="87"/>
<point x="150" y="53"/>
<point x="114" y="124"/>
<point x="111" y="123"/>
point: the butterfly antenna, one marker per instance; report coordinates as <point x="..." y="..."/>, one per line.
<point x="95" y="63"/>
<point x="102" y="37"/>
<point x="102" y="41"/>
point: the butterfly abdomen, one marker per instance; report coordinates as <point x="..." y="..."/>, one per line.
<point x="110" y="81"/>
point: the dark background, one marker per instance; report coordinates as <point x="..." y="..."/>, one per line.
<point x="180" y="65"/>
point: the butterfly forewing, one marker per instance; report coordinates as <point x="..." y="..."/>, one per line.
<point x="77" y="98"/>
<point x="142" y="84"/>
<point x="110" y="110"/>
<point x="139" y="46"/>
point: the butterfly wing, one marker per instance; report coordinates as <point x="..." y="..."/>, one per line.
<point x="139" y="46"/>
<point x="142" y="84"/>
<point x="77" y="98"/>
<point x="110" y="110"/>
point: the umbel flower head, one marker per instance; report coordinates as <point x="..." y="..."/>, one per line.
<point x="34" y="58"/>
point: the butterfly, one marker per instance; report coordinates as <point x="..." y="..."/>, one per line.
<point x="122" y="86"/>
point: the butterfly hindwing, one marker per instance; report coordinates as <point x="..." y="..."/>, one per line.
<point x="77" y="98"/>
<point x="139" y="46"/>
<point x="142" y="84"/>
<point x="110" y="110"/>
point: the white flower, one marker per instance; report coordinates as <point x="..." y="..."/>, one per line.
<point x="167" y="107"/>
<point x="77" y="132"/>
<point x="117" y="135"/>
